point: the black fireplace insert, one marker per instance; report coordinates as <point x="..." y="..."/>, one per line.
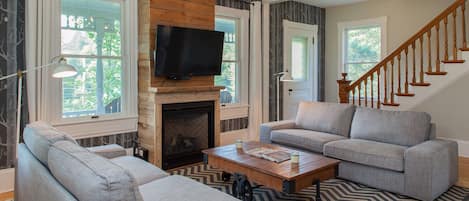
<point x="188" y="128"/>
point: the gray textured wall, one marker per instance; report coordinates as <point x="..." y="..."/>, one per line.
<point x="238" y="4"/>
<point x="12" y="59"/>
<point x="296" y="12"/>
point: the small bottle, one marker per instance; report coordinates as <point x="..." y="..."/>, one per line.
<point x="239" y="144"/>
<point x="295" y="157"/>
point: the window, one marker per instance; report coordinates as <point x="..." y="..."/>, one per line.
<point x="230" y="73"/>
<point x="98" y="37"/>
<point x="299" y="57"/>
<point x="91" y="41"/>
<point x="363" y="44"/>
<point x="234" y="69"/>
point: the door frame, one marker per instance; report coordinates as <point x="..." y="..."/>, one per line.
<point x="289" y="28"/>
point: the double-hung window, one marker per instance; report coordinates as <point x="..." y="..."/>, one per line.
<point x="97" y="37"/>
<point x="234" y="69"/>
<point x="362" y="44"/>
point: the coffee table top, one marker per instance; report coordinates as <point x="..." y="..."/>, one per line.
<point x="310" y="163"/>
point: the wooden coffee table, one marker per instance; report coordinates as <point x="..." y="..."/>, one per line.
<point x="283" y="177"/>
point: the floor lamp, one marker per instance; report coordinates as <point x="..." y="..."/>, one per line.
<point x="281" y="77"/>
<point x="61" y="70"/>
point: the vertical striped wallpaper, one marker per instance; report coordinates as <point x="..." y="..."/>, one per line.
<point x="238" y="4"/>
<point x="296" y="12"/>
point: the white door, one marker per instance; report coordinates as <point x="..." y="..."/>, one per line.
<point x="300" y="61"/>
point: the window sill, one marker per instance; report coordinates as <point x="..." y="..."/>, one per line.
<point x="99" y="127"/>
<point x="234" y="111"/>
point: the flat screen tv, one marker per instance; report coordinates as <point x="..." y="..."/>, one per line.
<point x="182" y="52"/>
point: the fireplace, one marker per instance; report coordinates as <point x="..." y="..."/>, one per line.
<point x="187" y="129"/>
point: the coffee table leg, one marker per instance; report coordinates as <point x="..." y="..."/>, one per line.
<point x="225" y="176"/>
<point x="242" y="188"/>
<point x="318" y="189"/>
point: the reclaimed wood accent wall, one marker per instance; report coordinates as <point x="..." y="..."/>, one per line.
<point x="183" y="13"/>
<point x="199" y="14"/>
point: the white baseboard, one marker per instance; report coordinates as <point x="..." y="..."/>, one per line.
<point x="463" y="146"/>
<point x="7" y="178"/>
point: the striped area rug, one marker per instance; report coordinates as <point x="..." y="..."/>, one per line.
<point x="331" y="190"/>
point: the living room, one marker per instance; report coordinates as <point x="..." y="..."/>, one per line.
<point x="201" y="100"/>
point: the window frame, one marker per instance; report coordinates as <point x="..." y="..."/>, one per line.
<point x="89" y="126"/>
<point x="343" y="26"/>
<point x="240" y="109"/>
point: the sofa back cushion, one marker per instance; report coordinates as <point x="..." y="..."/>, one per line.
<point x="330" y="118"/>
<point x="39" y="137"/>
<point x="89" y="176"/>
<point x="395" y="127"/>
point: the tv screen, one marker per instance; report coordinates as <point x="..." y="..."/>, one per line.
<point x="183" y="52"/>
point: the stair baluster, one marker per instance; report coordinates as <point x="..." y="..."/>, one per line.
<point x="371" y="91"/>
<point x="463" y="16"/>
<point x="378" y="102"/>
<point x="429" y="35"/>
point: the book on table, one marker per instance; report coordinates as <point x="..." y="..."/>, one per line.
<point x="269" y="154"/>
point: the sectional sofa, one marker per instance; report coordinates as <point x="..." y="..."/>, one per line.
<point x="396" y="151"/>
<point x="53" y="167"/>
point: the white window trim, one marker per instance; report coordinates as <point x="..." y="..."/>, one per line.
<point x="51" y="105"/>
<point x="342" y="26"/>
<point x="240" y="108"/>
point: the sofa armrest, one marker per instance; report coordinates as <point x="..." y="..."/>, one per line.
<point x="431" y="168"/>
<point x="267" y="128"/>
<point x="109" y="151"/>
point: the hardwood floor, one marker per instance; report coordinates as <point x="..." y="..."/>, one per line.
<point x="6" y="196"/>
<point x="463" y="173"/>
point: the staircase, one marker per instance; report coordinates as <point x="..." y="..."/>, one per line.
<point x="423" y="65"/>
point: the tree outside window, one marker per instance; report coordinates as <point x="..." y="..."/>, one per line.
<point x="91" y="41"/>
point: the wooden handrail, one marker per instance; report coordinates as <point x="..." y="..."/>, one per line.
<point x="416" y="41"/>
<point x="410" y="41"/>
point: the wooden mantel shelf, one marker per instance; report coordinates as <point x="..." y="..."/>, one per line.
<point x="168" y="90"/>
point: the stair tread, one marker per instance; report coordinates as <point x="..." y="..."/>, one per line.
<point x="453" y="61"/>
<point x="405" y="94"/>
<point x="436" y="73"/>
<point x="419" y="84"/>
<point x="391" y="104"/>
<point x="464" y="49"/>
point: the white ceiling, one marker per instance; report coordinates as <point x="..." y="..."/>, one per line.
<point x="323" y="3"/>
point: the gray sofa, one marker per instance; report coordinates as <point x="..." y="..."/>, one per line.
<point x="395" y="151"/>
<point x="53" y="167"/>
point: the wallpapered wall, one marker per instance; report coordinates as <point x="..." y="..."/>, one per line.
<point x="12" y="56"/>
<point x="296" y="12"/>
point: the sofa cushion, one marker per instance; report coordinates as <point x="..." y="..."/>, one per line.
<point x="376" y="154"/>
<point x="179" y="188"/>
<point x="395" y="127"/>
<point x="142" y="171"/>
<point x="89" y="176"/>
<point x="325" y="117"/>
<point x="304" y="139"/>
<point x="39" y="137"/>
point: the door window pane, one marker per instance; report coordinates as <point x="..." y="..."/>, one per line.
<point x="91" y="41"/>
<point x="229" y="70"/>
<point x="299" y="58"/>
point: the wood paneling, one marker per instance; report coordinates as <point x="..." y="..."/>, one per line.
<point x="6" y="196"/>
<point x="182" y="13"/>
<point x="198" y="14"/>
<point x="463" y="172"/>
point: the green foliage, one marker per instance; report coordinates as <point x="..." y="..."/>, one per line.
<point x="80" y="92"/>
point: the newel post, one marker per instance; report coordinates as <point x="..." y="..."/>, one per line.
<point x="344" y="91"/>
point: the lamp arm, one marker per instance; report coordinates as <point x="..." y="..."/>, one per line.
<point x="22" y="72"/>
